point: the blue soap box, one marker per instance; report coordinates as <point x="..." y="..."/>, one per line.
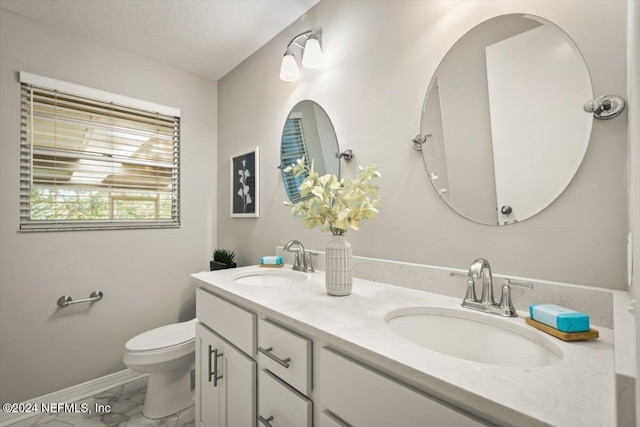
<point x="271" y="260"/>
<point x="560" y="318"/>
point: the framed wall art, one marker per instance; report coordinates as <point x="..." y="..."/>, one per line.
<point x="245" y="185"/>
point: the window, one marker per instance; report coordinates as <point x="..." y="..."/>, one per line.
<point x="95" y="160"/>
<point x="293" y="148"/>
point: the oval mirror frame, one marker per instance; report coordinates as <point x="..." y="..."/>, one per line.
<point x="308" y="131"/>
<point x="498" y="84"/>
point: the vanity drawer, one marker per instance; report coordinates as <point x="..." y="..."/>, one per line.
<point x="235" y="324"/>
<point x="286" y="354"/>
<point x="278" y="400"/>
<point x="363" y="397"/>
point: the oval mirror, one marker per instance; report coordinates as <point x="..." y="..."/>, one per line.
<point x="308" y="132"/>
<point x="503" y="126"/>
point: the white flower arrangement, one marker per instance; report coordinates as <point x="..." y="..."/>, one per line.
<point x="336" y="205"/>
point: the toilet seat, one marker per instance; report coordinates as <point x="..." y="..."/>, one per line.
<point x="161" y="348"/>
<point x="163" y="338"/>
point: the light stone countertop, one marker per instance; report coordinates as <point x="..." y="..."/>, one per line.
<point x="577" y="391"/>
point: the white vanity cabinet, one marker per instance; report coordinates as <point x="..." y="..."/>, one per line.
<point x="257" y="369"/>
<point x="338" y="360"/>
<point x="362" y="397"/>
<point x="225" y="372"/>
<point x="228" y="383"/>
<point x="225" y="384"/>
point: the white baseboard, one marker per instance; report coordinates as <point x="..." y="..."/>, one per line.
<point x="75" y="393"/>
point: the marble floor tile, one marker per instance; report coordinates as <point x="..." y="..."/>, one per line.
<point x="118" y="407"/>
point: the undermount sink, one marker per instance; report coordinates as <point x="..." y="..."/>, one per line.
<point x="473" y="336"/>
<point x="269" y="277"/>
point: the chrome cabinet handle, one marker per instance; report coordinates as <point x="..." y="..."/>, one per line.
<point x="214" y="374"/>
<point x="267" y="352"/>
<point x="211" y="374"/>
<point x="216" y="377"/>
<point x="265" y="421"/>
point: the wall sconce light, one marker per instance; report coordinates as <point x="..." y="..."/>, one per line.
<point x="312" y="56"/>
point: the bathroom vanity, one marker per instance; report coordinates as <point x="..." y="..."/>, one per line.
<point x="273" y="349"/>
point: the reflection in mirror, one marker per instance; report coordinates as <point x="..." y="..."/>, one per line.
<point x="503" y="121"/>
<point x="308" y="132"/>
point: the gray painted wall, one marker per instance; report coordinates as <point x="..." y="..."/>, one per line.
<point x="380" y="59"/>
<point x="143" y="273"/>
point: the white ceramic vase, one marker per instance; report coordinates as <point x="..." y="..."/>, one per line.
<point x="339" y="271"/>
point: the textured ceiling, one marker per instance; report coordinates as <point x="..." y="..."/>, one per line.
<point x="206" y="37"/>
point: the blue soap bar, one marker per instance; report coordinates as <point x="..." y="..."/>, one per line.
<point x="271" y="260"/>
<point x="561" y="318"/>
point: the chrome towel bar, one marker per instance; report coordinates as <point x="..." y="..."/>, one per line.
<point x="66" y="300"/>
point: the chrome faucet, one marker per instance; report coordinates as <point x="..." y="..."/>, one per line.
<point x="480" y="269"/>
<point x="302" y="259"/>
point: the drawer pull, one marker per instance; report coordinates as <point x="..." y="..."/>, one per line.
<point x="266" y="421"/>
<point x="214" y="374"/>
<point x="267" y="352"/>
<point x="211" y="373"/>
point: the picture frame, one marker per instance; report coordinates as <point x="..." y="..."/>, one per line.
<point x="245" y="184"/>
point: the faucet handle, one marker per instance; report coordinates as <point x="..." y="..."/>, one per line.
<point x="506" y="302"/>
<point x="470" y="295"/>
<point x="456" y="274"/>
<point x="514" y="283"/>
<point x="296" y="260"/>
<point x="309" y="261"/>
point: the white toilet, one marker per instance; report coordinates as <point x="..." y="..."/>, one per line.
<point x="167" y="353"/>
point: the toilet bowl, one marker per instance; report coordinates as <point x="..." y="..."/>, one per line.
<point x="167" y="353"/>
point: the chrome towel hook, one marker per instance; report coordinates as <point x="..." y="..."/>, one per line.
<point x="66" y="300"/>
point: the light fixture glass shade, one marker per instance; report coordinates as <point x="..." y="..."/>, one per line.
<point x="289" y="71"/>
<point x="312" y="56"/>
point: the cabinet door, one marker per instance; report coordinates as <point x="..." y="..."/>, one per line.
<point x="208" y="390"/>
<point x="225" y="383"/>
<point x="239" y="385"/>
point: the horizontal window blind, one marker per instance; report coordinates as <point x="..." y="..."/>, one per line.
<point x="293" y="147"/>
<point x="91" y="164"/>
